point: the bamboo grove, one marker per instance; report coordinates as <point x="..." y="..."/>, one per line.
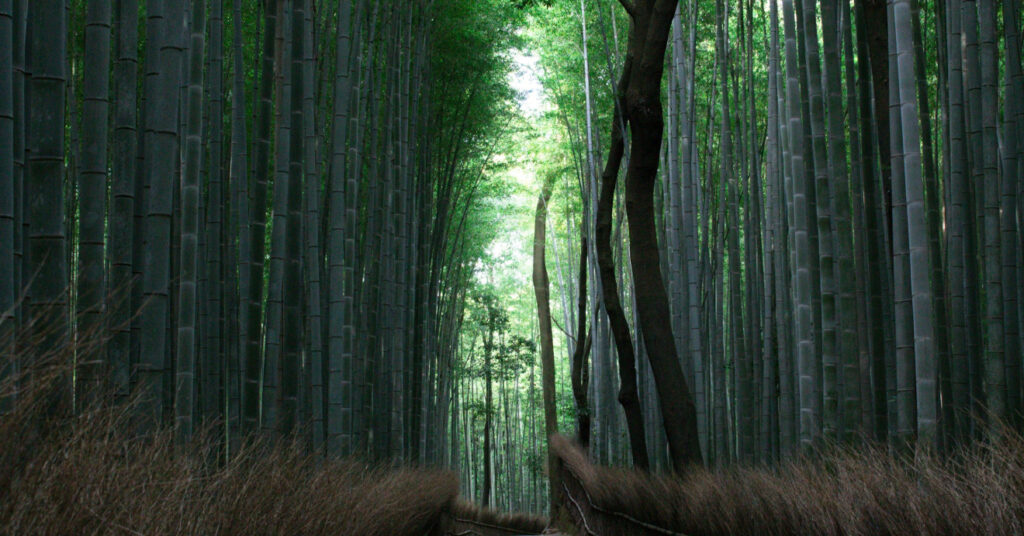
<point x="280" y="219"/>
<point x="257" y="214"/>
<point x="838" y="216"/>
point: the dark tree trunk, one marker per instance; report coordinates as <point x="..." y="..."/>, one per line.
<point x="239" y="178"/>
<point x="92" y="196"/>
<point x="628" y="396"/>
<point x="7" y="189"/>
<point x="253" y="315"/>
<point x="579" y="355"/>
<point x="874" y="245"/>
<point x="161" y="161"/>
<point x="188" y="264"/>
<point x="651" y="22"/>
<point x="876" y="28"/>
<point x="293" y="321"/>
<point x="213" y="364"/>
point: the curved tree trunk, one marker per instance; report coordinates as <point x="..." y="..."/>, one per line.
<point x="547" y="351"/>
<point x="651" y="22"/>
<point x="628" y="395"/>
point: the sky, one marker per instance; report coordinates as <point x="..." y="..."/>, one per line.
<point x="525" y="81"/>
<point x="513" y="246"/>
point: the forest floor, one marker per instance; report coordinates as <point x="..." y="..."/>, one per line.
<point x="88" y="475"/>
<point x="858" y="492"/>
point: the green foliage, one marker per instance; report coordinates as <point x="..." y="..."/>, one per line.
<point x="505" y="354"/>
<point x="524" y="4"/>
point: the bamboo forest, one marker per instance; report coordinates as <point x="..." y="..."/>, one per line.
<point x="496" y="267"/>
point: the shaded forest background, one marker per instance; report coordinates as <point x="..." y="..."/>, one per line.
<point x="314" y="220"/>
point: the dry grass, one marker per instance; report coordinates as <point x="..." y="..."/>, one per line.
<point x="87" y="475"/>
<point x="850" y="493"/>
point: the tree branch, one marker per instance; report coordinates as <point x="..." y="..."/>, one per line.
<point x="628" y="7"/>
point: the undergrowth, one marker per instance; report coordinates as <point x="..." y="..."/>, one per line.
<point x="89" y="474"/>
<point x="979" y="491"/>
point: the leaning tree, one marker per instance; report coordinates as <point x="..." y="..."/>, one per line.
<point x="639" y="96"/>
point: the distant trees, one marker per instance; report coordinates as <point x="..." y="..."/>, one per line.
<point x="501" y="356"/>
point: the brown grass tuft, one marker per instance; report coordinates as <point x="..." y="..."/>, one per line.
<point x="979" y="492"/>
<point x="88" y="475"/>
